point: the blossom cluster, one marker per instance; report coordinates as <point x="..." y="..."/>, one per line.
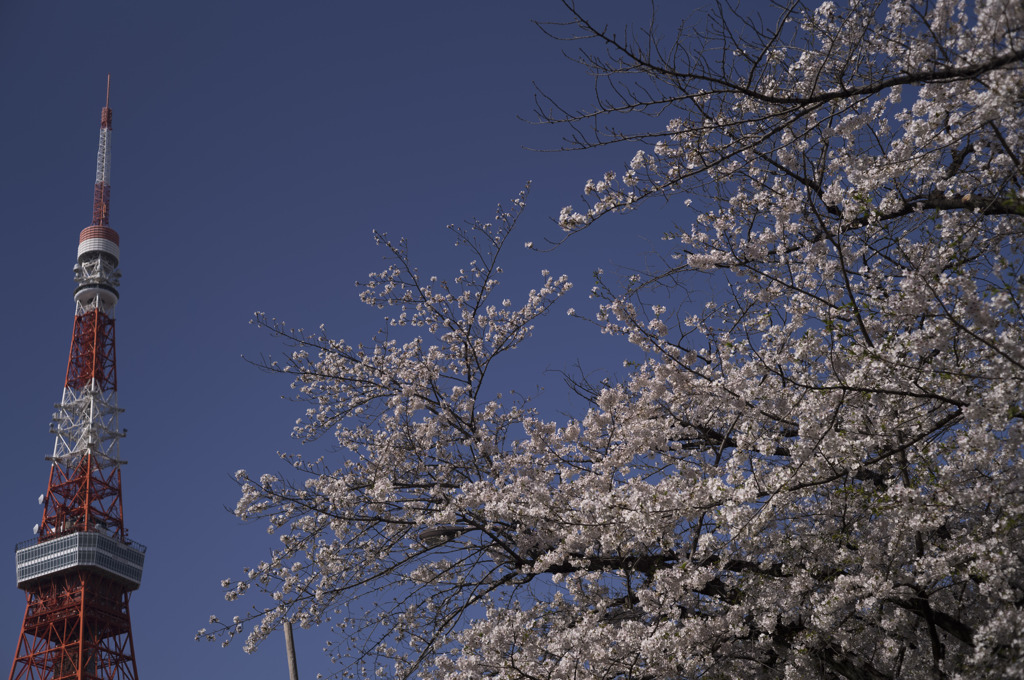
<point x="815" y="472"/>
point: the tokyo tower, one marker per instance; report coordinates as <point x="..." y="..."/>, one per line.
<point x="80" y="569"/>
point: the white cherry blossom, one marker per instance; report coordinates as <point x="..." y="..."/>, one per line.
<point x="816" y="471"/>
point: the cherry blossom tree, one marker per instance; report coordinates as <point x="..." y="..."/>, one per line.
<point x="817" y="473"/>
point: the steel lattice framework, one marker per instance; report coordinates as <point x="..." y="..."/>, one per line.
<point x="80" y="570"/>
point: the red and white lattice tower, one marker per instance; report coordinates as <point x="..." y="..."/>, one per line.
<point x="80" y="570"/>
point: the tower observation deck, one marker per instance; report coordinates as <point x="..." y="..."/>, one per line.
<point x="80" y="569"/>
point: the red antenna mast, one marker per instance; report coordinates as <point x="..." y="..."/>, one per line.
<point x="80" y="569"/>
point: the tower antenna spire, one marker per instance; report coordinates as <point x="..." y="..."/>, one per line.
<point x="80" y="569"/>
<point x="101" y="195"/>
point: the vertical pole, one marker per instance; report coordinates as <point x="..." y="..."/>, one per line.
<point x="289" y="643"/>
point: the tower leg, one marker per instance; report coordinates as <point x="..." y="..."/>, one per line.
<point x="76" y="627"/>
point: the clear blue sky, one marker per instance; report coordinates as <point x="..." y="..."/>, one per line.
<point x="256" y="144"/>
